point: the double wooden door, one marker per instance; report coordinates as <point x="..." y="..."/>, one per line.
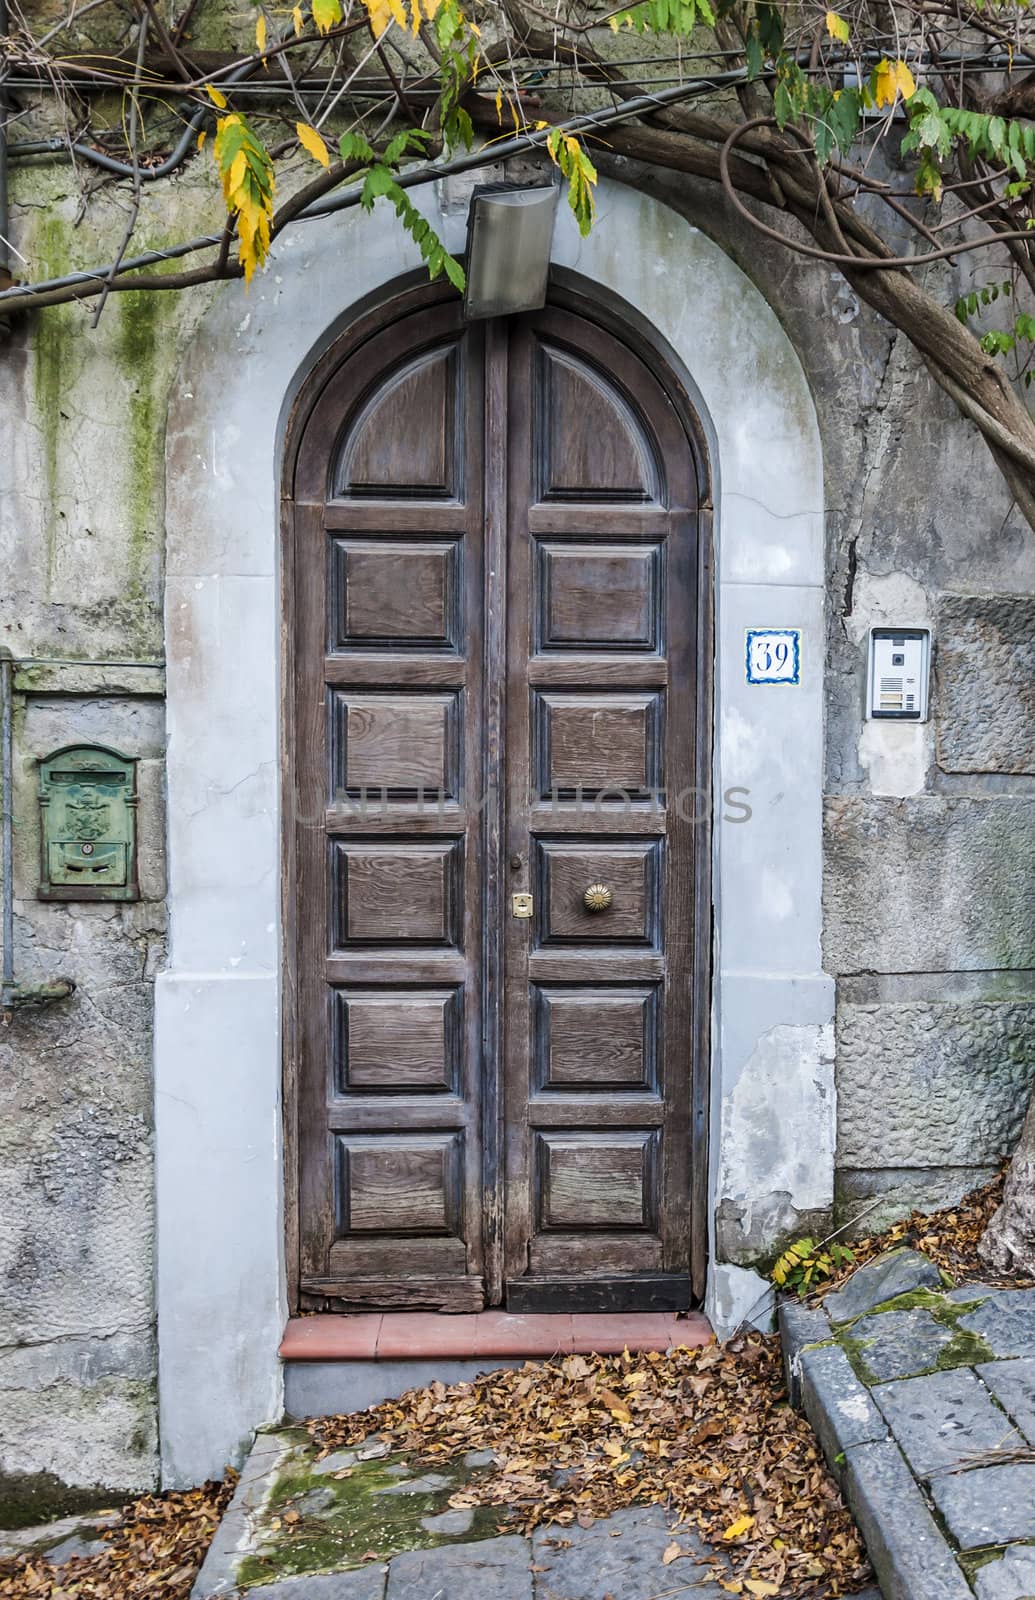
<point x="498" y="842"/>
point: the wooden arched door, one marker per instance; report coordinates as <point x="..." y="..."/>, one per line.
<point x="497" y="854"/>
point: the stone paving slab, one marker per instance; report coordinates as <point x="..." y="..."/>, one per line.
<point x="941" y="1419"/>
<point x="1012" y="1577"/>
<point x="368" y="1583"/>
<point x="992" y="1505"/>
<point x="1006" y="1322"/>
<point x="1013" y="1384"/>
<point x="909" y="1554"/>
<point x="900" y="1344"/>
<point x="45" y="1538"/>
<point x="495" y="1569"/>
<point x="621" y="1556"/>
<point x="898" y="1272"/>
<point x="836" y="1403"/>
<point x="932" y="1505"/>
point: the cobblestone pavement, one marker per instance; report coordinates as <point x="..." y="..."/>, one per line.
<point x="924" y="1401"/>
<point x="363" y="1499"/>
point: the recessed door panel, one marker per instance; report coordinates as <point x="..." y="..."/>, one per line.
<point x="388" y="893"/>
<point x="595" y="1038"/>
<point x="575" y="873"/>
<point x="597" y="1178"/>
<point x="406" y="745"/>
<point x="391" y="1041"/>
<point x="593" y="597"/>
<point x="597" y="745"/>
<point x="395" y="594"/>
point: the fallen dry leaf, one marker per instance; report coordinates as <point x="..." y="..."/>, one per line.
<point x="672" y="1553"/>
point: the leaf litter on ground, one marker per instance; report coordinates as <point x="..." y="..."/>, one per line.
<point x="950" y="1238"/>
<point x="154" y="1552"/>
<point x="706" y="1433"/>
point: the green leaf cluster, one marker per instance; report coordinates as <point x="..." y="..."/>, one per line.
<point x="381" y="181"/>
<point x="804" y="1263"/>
<point x="665" y="16"/>
<point x="458" y="43"/>
<point x="580" y="172"/>
<point x="934" y="129"/>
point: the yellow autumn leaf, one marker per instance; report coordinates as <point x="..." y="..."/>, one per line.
<point x="312" y="141"/>
<point x="202" y="136"/>
<point x="837" y="27"/>
<point x="238" y="168"/>
<point x="326" y="13"/>
<point x="296" y="17"/>
<point x="760" y="1587"/>
<point x="260" y="34"/>
<point x="890" y="79"/>
<point x="216" y="96"/>
<point x="741" y="1525"/>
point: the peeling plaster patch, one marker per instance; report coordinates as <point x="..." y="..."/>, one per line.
<point x="887" y="600"/>
<point x="738" y="1295"/>
<point x="779" y="1124"/>
<point x="896" y="755"/>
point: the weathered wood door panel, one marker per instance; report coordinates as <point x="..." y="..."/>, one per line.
<point x="602" y="631"/>
<point x="497" y="639"/>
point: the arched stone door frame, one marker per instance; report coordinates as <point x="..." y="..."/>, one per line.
<point x="221" y="1273"/>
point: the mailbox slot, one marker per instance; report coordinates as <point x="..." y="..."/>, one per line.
<point x="88" y="807"/>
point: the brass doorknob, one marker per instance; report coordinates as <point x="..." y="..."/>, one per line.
<point x="597" y="897"/>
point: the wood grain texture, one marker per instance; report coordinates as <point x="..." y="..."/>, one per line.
<point x="602" y="584"/>
<point x="399" y="594"/>
<point x="393" y="1041"/>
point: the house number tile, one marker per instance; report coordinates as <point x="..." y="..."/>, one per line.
<point x="773" y="655"/>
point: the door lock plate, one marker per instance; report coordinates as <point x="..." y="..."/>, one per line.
<point x="521" y="905"/>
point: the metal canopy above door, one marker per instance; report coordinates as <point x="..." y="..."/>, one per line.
<point x="497" y="867"/>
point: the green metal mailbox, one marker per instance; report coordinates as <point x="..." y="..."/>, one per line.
<point x="88" y="833"/>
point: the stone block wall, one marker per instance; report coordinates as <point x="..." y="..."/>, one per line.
<point x="931" y="931"/>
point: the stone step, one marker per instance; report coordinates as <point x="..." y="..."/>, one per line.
<point x="346" y="1363"/>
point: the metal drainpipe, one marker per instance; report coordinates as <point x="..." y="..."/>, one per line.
<point x="12" y="993"/>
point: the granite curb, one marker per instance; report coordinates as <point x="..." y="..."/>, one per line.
<point x="910" y="1555"/>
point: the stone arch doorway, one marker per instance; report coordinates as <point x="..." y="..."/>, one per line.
<point x="497" y="569"/>
<point x="222" y="1277"/>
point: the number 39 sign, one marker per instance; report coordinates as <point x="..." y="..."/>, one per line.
<point x="773" y="655"/>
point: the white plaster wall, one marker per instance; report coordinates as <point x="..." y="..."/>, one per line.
<point x="220" y="1260"/>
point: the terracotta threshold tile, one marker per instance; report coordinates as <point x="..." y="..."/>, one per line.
<point x="600" y="1334"/>
<point x="502" y="1334"/>
<point x="409" y="1335"/>
<point x="331" y="1338"/>
<point x="425" y="1335"/>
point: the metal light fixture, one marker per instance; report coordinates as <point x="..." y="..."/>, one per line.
<point x="509" y="233"/>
